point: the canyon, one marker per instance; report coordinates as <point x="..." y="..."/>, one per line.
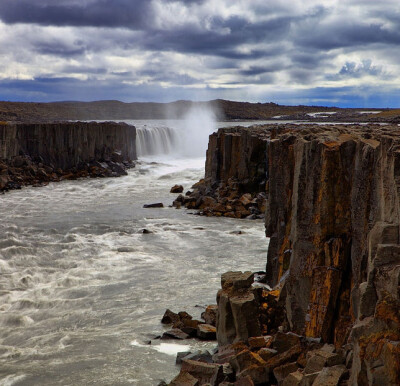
<point x="330" y="198"/>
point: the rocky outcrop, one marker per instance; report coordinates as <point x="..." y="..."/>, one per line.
<point x="333" y="221"/>
<point x="235" y="175"/>
<point x="332" y="216"/>
<point x="34" y="154"/>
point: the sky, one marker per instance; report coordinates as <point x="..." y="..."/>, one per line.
<point x="314" y="52"/>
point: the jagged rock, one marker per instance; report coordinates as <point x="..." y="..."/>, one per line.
<point x="284" y="341"/>
<point x="210" y="314"/>
<point x="155" y="205"/>
<point x="176" y="189"/>
<point x="267" y="353"/>
<point x="330" y="376"/>
<point x="257" y="342"/>
<point x="204" y="372"/>
<point x="206" y="332"/>
<point x="184" y="379"/>
<point x="181" y="355"/>
<point x="281" y="372"/>
<point x="317" y="360"/>
<point x="170" y="317"/>
<point x="237" y="280"/>
<point x="175" y="333"/>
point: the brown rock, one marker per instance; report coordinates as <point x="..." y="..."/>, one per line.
<point x="170" y="317"/>
<point x="176" y="189"/>
<point x="175" y="333"/>
<point x="155" y="205"/>
<point x="256" y="342"/>
<point x="206" y="332"/>
<point x="205" y="372"/>
<point x="267" y="353"/>
<point x="237" y="280"/>
<point x="281" y="372"/>
<point x="330" y="376"/>
<point x="184" y="379"/>
<point x="210" y="314"/>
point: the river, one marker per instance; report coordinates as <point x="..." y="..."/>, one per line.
<point x="83" y="289"/>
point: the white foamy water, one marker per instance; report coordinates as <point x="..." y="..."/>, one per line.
<point x="82" y="289"/>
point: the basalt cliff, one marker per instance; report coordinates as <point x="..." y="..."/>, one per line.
<point x="331" y="313"/>
<point x="35" y="154"/>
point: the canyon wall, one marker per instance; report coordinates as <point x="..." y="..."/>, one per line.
<point x="332" y="215"/>
<point x="67" y="144"/>
<point x="35" y="154"/>
<point x="333" y="221"/>
<point x="235" y="175"/>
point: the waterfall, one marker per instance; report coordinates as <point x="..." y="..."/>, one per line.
<point x="156" y="140"/>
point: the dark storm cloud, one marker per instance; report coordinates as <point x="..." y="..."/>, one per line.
<point x="343" y="35"/>
<point x="99" y="13"/>
<point x="236" y="31"/>
<point x="59" y="49"/>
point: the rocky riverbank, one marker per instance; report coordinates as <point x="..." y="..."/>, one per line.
<point x="36" y="154"/>
<point x="235" y="175"/>
<point x="332" y="215"/>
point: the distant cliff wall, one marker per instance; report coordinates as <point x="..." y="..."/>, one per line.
<point x="235" y="175"/>
<point x="65" y="145"/>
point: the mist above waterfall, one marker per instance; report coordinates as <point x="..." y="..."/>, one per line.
<point x="195" y="128"/>
<point x="184" y="137"/>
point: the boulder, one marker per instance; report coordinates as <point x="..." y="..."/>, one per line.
<point x="210" y="314"/>
<point x="281" y="372"/>
<point x="205" y="372"/>
<point x="176" y="189"/>
<point x="184" y="379"/>
<point x="330" y="376"/>
<point x="206" y="332"/>
<point x="175" y="333"/>
<point x="155" y="205"/>
<point x="169" y="317"/>
<point x="237" y="280"/>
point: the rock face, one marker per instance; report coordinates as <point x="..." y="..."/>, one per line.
<point x="39" y="153"/>
<point x="333" y="221"/>
<point x="332" y="216"/>
<point x="235" y="175"/>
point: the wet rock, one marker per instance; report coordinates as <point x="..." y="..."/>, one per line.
<point x="200" y="356"/>
<point x="175" y="333"/>
<point x="206" y="332"/>
<point x="146" y="231"/>
<point x="317" y="360"/>
<point x="184" y="379"/>
<point x="155" y="205"/>
<point x="281" y="372"/>
<point x="330" y="376"/>
<point x="210" y="314"/>
<point x="284" y="341"/>
<point x="267" y="353"/>
<point x="176" y="189"/>
<point x="170" y="317"/>
<point x="237" y="280"/>
<point x="257" y="342"/>
<point x="203" y="372"/>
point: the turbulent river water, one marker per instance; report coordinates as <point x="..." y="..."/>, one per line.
<point x="83" y="289"/>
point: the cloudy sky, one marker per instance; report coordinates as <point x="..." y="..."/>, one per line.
<point x="320" y="52"/>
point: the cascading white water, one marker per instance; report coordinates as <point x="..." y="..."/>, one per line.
<point x="156" y="140"/>
<point x="186" y="137"/>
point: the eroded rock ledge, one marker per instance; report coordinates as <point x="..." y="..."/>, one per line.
<point x="235" y="175"/>
<point x="332" y="215"/>
<point x="35" y="154"/>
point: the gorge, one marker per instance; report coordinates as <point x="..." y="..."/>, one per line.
<point x="330" y="195"/>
